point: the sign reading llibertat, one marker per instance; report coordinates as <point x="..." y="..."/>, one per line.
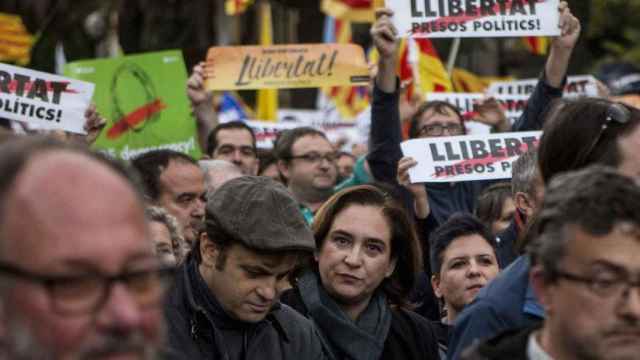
<point x="285" y="66"/>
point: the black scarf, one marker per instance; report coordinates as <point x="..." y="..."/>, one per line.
<point x="360" y="340"/>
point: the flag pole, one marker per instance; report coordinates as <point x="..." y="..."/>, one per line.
<point x="453" y="54"/>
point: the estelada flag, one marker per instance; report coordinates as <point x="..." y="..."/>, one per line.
<point x="352" y="10"/>
<point x="236" y="7"/>
<point x="537" y="45"/>
<point x="468" y="82"/>
<point x="15" y="40"/>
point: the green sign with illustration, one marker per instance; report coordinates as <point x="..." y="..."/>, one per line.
<point x="144" y="100"/>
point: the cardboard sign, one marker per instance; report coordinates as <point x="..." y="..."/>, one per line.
<point x="475" y="18"/>
<point x="513" y="106"/>
<point x="469" y="157"/>
<point x="144" y="100"/>
<point x="581" y="85"/>
<point x="42" y="99"/>
<point x="267" y="131"/>
<point x="285" y="66"/>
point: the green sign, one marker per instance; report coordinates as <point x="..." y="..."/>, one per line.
<point x="144" y="99"/>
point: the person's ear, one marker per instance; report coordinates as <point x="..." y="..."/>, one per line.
<point x="208" y="251"/>
<point x="435" y="284"/>
<point x="524" y="203"/>
<point x="392" y="267"/>
<point x="542" y="288"/>
<point x="283" y="168"/>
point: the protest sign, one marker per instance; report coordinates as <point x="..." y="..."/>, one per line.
<point x="512" y="105"/>
<point x="469" y="157"/>
<point x="42" y="99"/>
<point x="285" y="66"/>
<point x="475" y="18"/>
<point x="581" y="85"/>
<point x="144" y="100"/>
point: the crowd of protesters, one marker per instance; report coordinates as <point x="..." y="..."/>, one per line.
<point x="306" y="251"/>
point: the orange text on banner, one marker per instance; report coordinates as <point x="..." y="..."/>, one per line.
<point x="285" y="66"/>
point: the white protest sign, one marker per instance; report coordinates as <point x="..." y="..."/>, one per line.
<point x="469" y="157"/>
<point x="43" y="100"/>
<point x="475" y="18"/>
<point x="512" y="105"/>
<point x="267" y="131"/>
<point x="581" y="85"/>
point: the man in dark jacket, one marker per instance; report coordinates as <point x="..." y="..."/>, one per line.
<point x="585" y="273"/>
<point x="225" y="303"/>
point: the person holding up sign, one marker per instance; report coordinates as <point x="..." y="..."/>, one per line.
<point x="439" y="119"/>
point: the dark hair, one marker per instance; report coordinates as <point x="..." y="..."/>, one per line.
<point x="405" y="246"/>
<point x="439" y="107"/>
<point x="152" y="164"/>
<point x="594" y="200"/>
<point x="286" y="139"/>
<point x="582" y="122"/>
<point x="267" y="158"/>
<point x="212" y="140"/>
<point x="458" y="224"/>
<point x="347" y="154"/>
<point x="491" y="201"/>
<point x="15" y="153"/>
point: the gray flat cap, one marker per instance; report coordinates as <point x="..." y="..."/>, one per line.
<point x="261" y="213"/>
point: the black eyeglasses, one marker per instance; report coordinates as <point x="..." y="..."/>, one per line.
<point x="314" y="157"/>
<point x="86" y="293"/>
<point x="617" y="114"/>
<point x="605" y="287"/>
<point x="438" y="129"/>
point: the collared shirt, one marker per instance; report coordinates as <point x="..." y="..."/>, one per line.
<point x="534" y="350"/>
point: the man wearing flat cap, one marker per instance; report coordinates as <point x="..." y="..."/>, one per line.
<point x="225" y="302"/>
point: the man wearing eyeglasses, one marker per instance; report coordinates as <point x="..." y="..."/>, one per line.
<point x="79" y="279"/>
<point x="585" y="273"/>
<point x="307" y="161"/>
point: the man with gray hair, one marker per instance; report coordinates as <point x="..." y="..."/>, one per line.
<point x="585" y="245"/>
<point x="78" y="276"/>
<point x="527" y="192"/>
<point x="218" y="172"/>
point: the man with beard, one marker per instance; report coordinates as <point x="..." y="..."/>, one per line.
<point x="79" y="279"/>
<point x="173" y="181"/>
<point x="585" y="271"/>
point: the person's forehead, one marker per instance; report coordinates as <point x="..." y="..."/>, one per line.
<point x="363" y="221"/>
<point x="346" y="159"/>
<point x="60" y="218"/>
<point x="182" y="176"/>
<point x="432" y="116"/>
<point x="159" y="231"/>
<point x="234" y="136"/>
<point x="275" y="262"/>
<point x="621" y="246"/>
<point x="308" y="143"/>
<point x="629" y="148"/>
<point x="467" y="246"/>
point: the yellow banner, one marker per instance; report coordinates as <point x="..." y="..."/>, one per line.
<point x="15" y="40"/>
<point x="285" y="66"/>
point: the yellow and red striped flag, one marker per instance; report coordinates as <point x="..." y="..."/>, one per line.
<point x="15" y="40"/>
<point x="352" y="10"/>
<point x="537" y="45"/>
<point x="236" y="7"/>
<point x="267" y="102"/>
<point x="431" y="75"/>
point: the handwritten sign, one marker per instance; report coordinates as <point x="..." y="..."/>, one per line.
<point x="285" y="66"/>
<point x="42" y="99"/>
<point x="469" y="157"/>
<point x="475" y="18"/>
<point x="581" y="85"/>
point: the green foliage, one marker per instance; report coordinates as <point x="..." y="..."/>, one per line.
<point x="613" y="31"/>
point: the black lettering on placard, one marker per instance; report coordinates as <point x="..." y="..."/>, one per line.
<point x="478" y="149"/>
<point x="513" y="147"/>
<point x="5" y="79"/>
<point x="258" y="68"/>
<point x="435" y="156"/>
<point x="506" y="165"/>
<point x="531" y="142"/>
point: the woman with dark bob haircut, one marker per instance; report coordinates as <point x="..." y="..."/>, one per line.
<point x="356" y="289"/>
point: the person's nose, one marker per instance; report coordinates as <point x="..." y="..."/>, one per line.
<point x="120" y="311"/>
